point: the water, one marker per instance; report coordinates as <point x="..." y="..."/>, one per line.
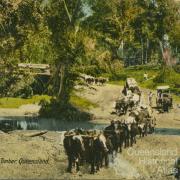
<point x="34" y="123"/>
<point x="167" y="131"/>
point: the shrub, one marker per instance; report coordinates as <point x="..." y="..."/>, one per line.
<point x="167" y="76"/>
<point x="68" y="112"/>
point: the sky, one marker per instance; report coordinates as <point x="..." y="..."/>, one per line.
<point x="86" y="7"/>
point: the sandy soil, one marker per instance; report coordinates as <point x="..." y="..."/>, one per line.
<point x="105" y="97"/>
<point x="151" y="158"/>
<point x="24" y="110"/>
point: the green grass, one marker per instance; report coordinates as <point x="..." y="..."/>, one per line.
<point x="176" y="98"/>
<point x="82" y="103"/>
<point x="9" y="102"/>
<point x="139" y="74"/>
<point x="121" y="83"/>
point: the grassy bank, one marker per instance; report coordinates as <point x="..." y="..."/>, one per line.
<point x="82" y="103"/>
<point x="9" y="102"/>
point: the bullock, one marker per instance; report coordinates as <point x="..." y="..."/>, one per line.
<point x="96" y="150"/>
<point x="133" y="133"/>
<point x="96" y="80"/>
<point x="122" y="134"/>
<point x="101" y="80"/>
<point x="142" y="129"/>
<point x="132" y="129"/>
<point x="74" y="148"/>
<point x="90" y="80"/>
<point x="113" y="140"/>
<point x="116" y="134"/>
<point x="144" y="119"/>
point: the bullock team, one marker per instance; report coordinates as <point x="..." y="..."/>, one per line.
<point x="93" y="80"/>
<point x="95" y="147"/>
<point x="136" y="113"/>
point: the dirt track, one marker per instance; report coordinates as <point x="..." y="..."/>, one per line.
<point x="146" y="160"/>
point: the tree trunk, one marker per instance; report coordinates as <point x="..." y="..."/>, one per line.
<point x="67" y="11"/>
<point x="161" y="47"/>
<point x="142" y="54"/>
<point x="122" y="45"/>
<point x="147" y="47"/>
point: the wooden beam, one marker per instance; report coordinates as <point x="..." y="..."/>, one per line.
<point x="34" y="66"/>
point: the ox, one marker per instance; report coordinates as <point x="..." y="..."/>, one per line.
<point x="74" y="148"/>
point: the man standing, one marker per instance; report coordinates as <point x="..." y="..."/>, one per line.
<point x="145" y="76"/>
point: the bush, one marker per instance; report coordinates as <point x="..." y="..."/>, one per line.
<point x="177" y="68"/>
<point x="26" y="92"/>
<point x="120" y="77"/>
<point x="176" y="91"/>
<point x="92" y="70"/>
<point x="68" y="112"/>
<point x="168" y="76"/>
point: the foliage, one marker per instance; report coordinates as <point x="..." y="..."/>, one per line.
<point x="63" y="21"/>
<point x="24" y="38"/>
<point x="167" y="76"/>
<point x="68" y="112"/>
<point x="94" y="37"/>
<point x="177" y="68"/>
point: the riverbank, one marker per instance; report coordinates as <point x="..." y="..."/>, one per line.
<point x="23" y="110"/>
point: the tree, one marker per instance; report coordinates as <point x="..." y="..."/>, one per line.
<point x="63" y="19"/>
<point x="156" y="19"/>
<point x="18" y="19"/>
<point x="114" y="20"/>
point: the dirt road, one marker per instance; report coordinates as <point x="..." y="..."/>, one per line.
<point x="151" y="158"/>
<point x="105" y="97"/>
